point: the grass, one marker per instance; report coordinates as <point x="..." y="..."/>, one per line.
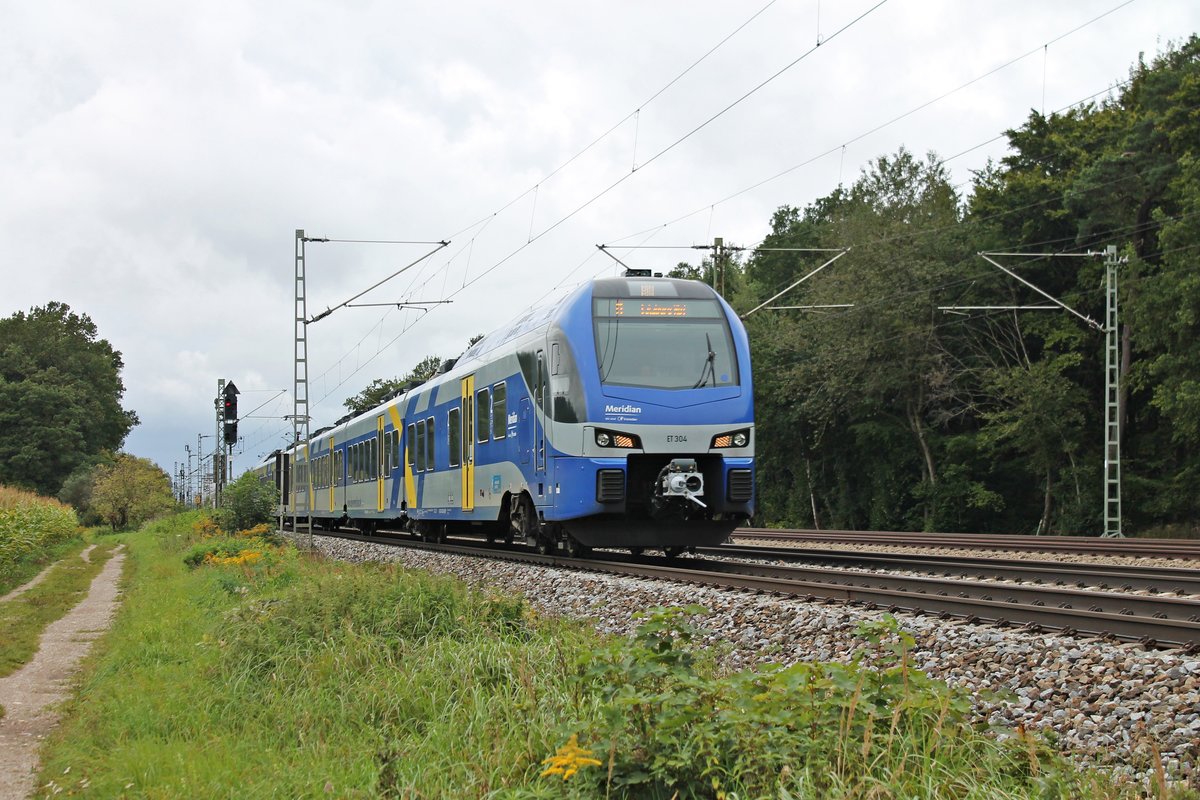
<point x="250" y="671"/>
<point x="26" y="616"/>
<point x="293" y="678"/>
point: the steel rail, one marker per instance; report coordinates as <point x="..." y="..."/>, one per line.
<point x="1178" y="580"/>
<point x="1123" y="603"/>
<point x="1150" y="631"/>
<point x="1174" y="548"/>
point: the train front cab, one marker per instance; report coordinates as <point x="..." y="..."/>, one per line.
<point x="659" y="403"/>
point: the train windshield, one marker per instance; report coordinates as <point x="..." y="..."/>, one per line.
<point x="663" y="343"/>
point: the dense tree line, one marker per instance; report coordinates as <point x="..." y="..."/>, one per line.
<point x="891" y="414"/>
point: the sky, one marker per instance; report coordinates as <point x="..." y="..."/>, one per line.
<point x="157" y="159"/>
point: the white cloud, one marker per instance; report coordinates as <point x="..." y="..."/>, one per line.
<point x="158" y="157"/>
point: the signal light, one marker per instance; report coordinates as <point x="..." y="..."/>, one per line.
<point x="230" y="399"/>
<point x="231" y="431"/>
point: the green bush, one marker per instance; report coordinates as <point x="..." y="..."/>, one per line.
<point x="246" y="502"/>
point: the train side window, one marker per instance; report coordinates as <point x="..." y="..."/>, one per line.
<point x="499" y="410"/>
<point x="354" y="463"/>
<point x="454" y="432"/>
<point x="387" y="453"/>
<point x="429" y="440"/>
<point x="372" y="458"/>
<point x="483" y="415"/>
<point x="396" y="449"/>
<point x="412" y="445"/>
<point x="421" y="446"/>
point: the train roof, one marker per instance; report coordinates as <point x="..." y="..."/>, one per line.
<point x="537" y="317"/>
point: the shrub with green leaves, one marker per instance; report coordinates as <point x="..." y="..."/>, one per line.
<point x="671" y="726"/>
<point x="247" y="502"/>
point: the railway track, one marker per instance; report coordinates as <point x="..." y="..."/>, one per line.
<point x="1157" y="580"/>
<point x="1092" y="545"/>
<point x="1153" y="621"/>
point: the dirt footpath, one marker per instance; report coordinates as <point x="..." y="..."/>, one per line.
<point x="29" y="695"/>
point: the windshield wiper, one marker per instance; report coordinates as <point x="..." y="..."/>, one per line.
<point x="709" y="365"/>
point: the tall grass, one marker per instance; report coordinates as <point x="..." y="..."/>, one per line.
<point x="33" y="531"/>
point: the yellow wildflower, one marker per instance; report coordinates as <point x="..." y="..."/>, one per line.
<point x="569" y="758"/>
<point x="244" y="557"/>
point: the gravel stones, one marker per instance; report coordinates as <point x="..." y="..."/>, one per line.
<point x="1111" y="704"/>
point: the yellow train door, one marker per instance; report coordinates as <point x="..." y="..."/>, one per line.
<point x="468" y="443"/>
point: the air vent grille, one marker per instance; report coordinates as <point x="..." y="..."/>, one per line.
<point x="610" y="485"/>
<point x="741" y="485"/>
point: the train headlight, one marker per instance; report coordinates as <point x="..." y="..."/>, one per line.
<point x="732" y="439"/>
<point x="625" y="441"/>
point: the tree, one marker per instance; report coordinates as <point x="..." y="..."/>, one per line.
<point x="247" y="502"/>
<point x="380" y="389"/>
<point x="131" y="491"/>
<point x="77" y="488"/>
<point x="60" y="397"/>
<point x="374" y="394"/>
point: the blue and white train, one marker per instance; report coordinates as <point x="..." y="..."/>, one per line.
<point x="621" y="416"/>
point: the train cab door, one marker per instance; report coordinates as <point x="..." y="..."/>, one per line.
<point x="467" y="438"/>
<point x="543" y="401"/>
<point x="525" y="430"/>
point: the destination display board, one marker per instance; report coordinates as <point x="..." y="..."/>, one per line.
<point x="656" y="308"/>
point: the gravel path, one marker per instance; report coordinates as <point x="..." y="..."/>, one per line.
<point x="1110" y="704"/>
<point x="28" y="695"/>
<point x="20" y="590"/>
